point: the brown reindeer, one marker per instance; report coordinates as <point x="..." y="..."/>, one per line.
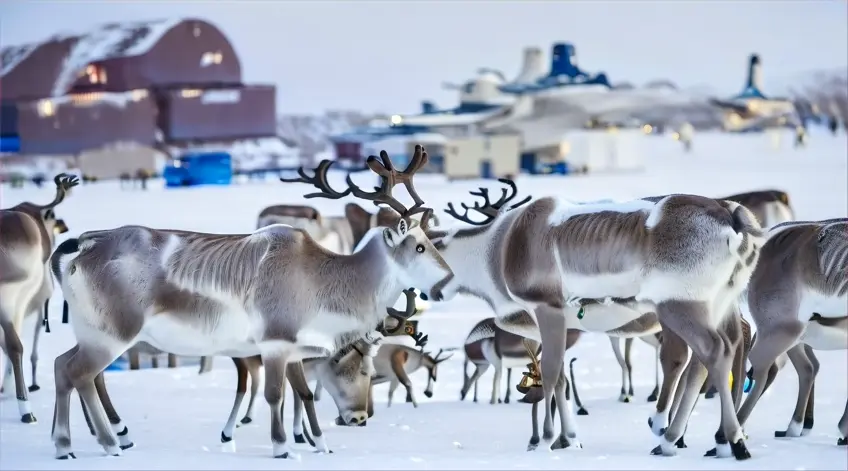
<point x="798" y="295"/>
<point x="394" y="363"/>
<point x="27" y="235"/>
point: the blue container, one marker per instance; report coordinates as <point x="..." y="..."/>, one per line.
<point x="214" y="168"/>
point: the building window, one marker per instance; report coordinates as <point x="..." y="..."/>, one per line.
<point x="209" y="58"/>
<point x="46" y="108"/>
<point x="191" y="93"/>
<point x="95" y="74"/>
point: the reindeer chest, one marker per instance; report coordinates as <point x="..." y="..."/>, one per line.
<point x="324" y="328"/>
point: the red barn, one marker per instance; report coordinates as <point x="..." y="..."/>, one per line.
<point x="141" y="83"/>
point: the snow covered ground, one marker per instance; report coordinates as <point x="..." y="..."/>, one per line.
<point x="175" y="416"/>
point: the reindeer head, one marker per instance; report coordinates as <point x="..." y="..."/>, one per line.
<point x="411" y="253"/>
<point x="46" y="213"/>
<point x="431" y="363"/>
<point x="347" y="377"/>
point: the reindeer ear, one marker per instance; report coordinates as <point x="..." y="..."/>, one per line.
<point x="390" y="237"/>
<point x="402" y="227"/>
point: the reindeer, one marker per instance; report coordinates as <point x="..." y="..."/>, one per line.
<point x="771" y="207"/>
<point x="689" y="256"/>
<point x="347" y="374"/>
<point x="27" y="235"/>
<point x="275" y="292"/>
<point x="339" y="370"/>
<point x="798" y="295"/>
<point x="394" y="363"/>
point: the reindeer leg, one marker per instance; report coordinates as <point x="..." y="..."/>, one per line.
<point x="568" y="431"/>
<point x="478" y="372"/>
<point x="657" y="365"/>
<point x="297" y="378"/>
<point x="553" y="332"/>
<point x="393" y="384"/>
<point x="772" y="341"/>
<point x="77" y="369"/>
<point x="318" y="389"/>
<point x="496" y="383"/>
<point x="615" y="343"/>
<point x="808" y="415"/>
<point x="806" y="376"/>
<point x="301" y="435"/>
<point x="275" y="391"/>
<point x="712" y="348"/>
<point x="843" y="428"/>
<point x="33" y="357"/>
<point x="87" y="417"/>
<point x="254" y="371"/>
<point x="674" y="356"/>
<point x="15" y="352"/>
<point x="628" y="347"/>
<point x="508" y="384"/>
<point x="118" y="427"/>
<point x="205" y="364"/>
<point x="241" y="387"/>
<point x="534" y="437"/>
<point x="397" y="361"/>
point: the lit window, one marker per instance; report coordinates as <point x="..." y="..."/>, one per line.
<point x="209" y="58"/>
<point x="102" y="75"/>
<point x="45" y="108"/>
<point x="138" y="95"/>
<point x="191" y="93"/>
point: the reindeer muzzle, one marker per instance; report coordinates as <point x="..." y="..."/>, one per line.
<point x="60" y="227"/>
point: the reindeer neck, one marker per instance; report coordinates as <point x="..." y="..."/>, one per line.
<point x="371" y="268"/>
<point x="475" y="255"/>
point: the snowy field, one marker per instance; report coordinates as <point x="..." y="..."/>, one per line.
<point x="175" y="416"/>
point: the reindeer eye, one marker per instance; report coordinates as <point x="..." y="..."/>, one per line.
<point x="419" y="248"/>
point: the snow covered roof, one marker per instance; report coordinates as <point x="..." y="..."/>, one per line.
<point x="106" y="41"/>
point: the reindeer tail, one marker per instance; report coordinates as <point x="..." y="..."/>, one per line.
<point x="580" y="409"/>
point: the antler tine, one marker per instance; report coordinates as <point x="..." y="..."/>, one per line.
<point x="464" y="217"/>
<point x="319" y="180"/>
<point x="64" y="182"/>
<point x="402" y="316"/>
<point x="419" y="160"/>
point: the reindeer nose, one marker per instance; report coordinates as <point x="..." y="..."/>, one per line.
<point x="358" y="418"/>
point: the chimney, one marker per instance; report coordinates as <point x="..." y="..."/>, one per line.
<point x="532" y="66"/>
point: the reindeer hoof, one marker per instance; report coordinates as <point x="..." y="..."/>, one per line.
<point x="740" y="450"/>
<point x="681" y="444"/>
<point x="225" y="439"/>
<point x="560" y="443"/>
<point x="652" y="398"/>
<point x="582" y="411"/>
<point x="624" y="398"/>
<point x="298" y="438"/>
<point x="842" y="442"/>
<point x="246" y="420"/>
<point x="808" y="423"/>
<point x="64" y="457"/>
<point x="130" y="445"/>
<point x="711" y="453"/>
<point x="28" y="418"/>
<point x="533" y="444"/>
<point x="34" y="388"/>
<point x="500" y="401"/>
<point x="506" y="401"/>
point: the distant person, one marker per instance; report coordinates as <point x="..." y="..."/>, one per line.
<point x="686" y="133"/>
<point x="800" y="136"/>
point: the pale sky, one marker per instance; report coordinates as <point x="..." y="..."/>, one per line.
<point x="389" y="55"/>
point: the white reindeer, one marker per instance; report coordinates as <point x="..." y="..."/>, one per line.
<point x="276" y="293"/>
<point x="689" y="257"/>
<point x="27" y="234"/>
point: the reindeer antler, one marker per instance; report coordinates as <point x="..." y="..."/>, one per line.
<point x="319" y="180"/>
<point x="64" y="182"/>
<point x="389" y="177"/>
<point x="489" y="209"/>
<point x="403" y="316"/>
<point x="438" y="358"/>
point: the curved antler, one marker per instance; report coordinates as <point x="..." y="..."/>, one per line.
<point x="389" y="177"/>
<point x="64" y="182"/>
<point x="489" y="209"/>
<point x="319" y="180"/>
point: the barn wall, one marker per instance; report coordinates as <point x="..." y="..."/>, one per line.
<point x="73" y="124"/>
<point x="232" y="113"/>
<point x="8" y="119"/>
